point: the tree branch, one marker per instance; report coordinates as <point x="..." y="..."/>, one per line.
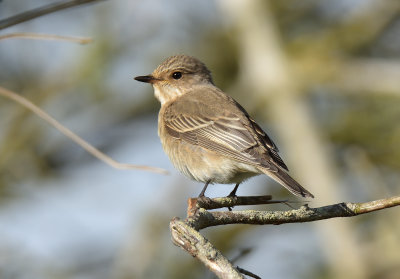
<point x="204" y="218"/>
<point x="185" y="234"/>
<point x="71" y="135"/>
<point x="198" y="246"/>
<point x="34" y="13"/>
<point x="37" y="36"/>
<point x="195" y="204"/>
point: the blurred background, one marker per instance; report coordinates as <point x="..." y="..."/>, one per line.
<point x="322" y="77"/>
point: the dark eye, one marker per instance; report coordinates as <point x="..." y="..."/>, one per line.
<point x="176" y="75"/>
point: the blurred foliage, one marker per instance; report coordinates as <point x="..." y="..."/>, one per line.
<point x="317" y="38"/>
<point x="223" y="60"/>
<point x="368" y="123"/>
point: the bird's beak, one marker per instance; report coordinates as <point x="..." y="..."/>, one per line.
<point x="147" y="79"/>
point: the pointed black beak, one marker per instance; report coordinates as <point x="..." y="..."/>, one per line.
<point x="147" y="79"/>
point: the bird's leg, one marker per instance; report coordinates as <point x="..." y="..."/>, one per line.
<point x="233" y="193"/>
<point x="204" y="189"/>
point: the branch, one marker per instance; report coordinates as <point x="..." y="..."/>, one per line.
<point x="68" y="133"/>
<point x="186" y="235"/>
<point x="206" y="218"/>
<point x="47" y="9"/>
<point x="37" y="36"/>
<point x="198" y="246"/>
<point x="195" y="204"/>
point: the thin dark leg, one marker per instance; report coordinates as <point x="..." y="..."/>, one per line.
<point x="204" y="189"/>
<point x="233" y="193"/>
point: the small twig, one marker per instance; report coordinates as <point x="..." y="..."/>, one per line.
<point x="215" y="203"/>
<point x="207" y="203"/>
<point x="242" y="254"/>
<point x="47" y="9"/>
<point x="84" y="144"/>
<point x="37" y="36"/>
<point x="248" y="273"/>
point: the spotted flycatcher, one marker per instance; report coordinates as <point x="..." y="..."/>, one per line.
<point x="207" y="135"/>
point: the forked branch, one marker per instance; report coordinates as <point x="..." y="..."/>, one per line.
<point x="185" y="233"/>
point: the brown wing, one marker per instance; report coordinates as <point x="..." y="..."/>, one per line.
<point x="230" y="132"/>
<point x="267" y="142"/>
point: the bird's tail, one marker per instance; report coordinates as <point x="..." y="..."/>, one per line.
<point x="288" y="182"/>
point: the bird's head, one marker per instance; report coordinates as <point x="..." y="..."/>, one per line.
<point x="176" y="76"/>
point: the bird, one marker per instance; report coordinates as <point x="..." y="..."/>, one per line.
<point x="207" y="135"/>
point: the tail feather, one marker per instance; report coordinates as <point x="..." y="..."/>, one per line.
<point x="288" y="182"/>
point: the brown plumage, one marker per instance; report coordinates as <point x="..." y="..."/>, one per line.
<point x="207" y="135"/>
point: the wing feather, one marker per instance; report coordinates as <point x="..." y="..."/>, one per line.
<point x="230" y="132"/>
<point x="225" y="135"/>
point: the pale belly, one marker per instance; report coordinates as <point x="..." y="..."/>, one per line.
<point x="202" y="165"/>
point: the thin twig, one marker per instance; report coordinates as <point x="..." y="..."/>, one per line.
<point x="248" y="273"/>
<point x="44" y="10"/>
<point x="215" y="203"/>
<point x="85" y="145"/>
<point x="37" y="36"/>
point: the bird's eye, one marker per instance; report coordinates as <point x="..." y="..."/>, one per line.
<point x="176" y="75"/>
